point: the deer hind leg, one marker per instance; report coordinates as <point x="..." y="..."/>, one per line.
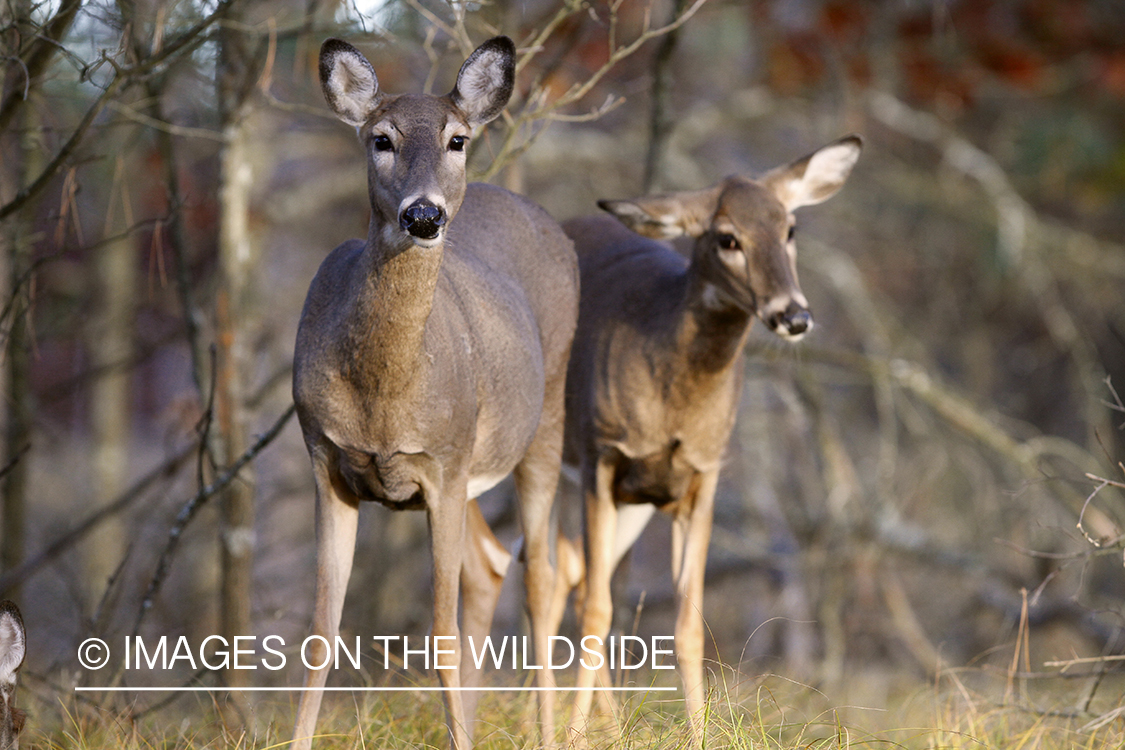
<point x="597" y="606"/>
<point x="631" y="521"/>
<point x="482" y="576"/>
<point x="537" y="478"/>
<point x="691" y="536"/>
<point x="337" y="515"/>
<point x="570" y="567"/>
<point x="570" y="575"/>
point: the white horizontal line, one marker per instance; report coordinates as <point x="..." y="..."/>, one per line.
<point x="364" y="689"/>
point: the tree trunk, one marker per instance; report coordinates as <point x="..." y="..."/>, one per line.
<point x="110" y="341"/>
<point x="235" y="78"/>
<point x="660" y="118"/>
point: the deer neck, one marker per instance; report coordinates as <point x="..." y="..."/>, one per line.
<point x="712" y="329"/>
<point x="388" y="323"/>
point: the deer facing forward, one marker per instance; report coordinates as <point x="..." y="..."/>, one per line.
<point x="655" y="375"/>
<point x="431" y="360"/>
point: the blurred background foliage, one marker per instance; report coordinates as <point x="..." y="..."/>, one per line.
<point x="929" y="479"/>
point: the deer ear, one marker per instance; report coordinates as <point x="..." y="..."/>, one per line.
<point x="486" y="80"/>
<point x="816" y="177"/>
<point x="348" y="81"/>
<point x="668" y="216"/>
<point x="12" y="642"/>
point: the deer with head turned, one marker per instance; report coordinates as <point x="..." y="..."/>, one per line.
<point x="430" y="363"/>
<point x="13" y="644"/>
<point x="656" y="371"/>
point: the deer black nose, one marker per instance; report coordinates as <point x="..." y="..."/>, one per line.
<point x="794" y="321"/>
<point x="422" y="219"/>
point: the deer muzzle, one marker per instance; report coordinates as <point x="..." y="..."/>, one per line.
<point x="792" y="323"/>
<point x="422" y="219"/>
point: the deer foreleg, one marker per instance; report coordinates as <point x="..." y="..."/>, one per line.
<point x="447" y="537"/>
<point x="337" y="514"/>
<point x="691" y="535"/>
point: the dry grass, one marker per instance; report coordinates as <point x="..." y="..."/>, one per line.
<point x="766" y="713"/>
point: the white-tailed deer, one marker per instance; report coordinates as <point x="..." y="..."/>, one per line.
<point x="656" y="371"/>
<point x="431" y="361"/>
<point x="13" y="644"/>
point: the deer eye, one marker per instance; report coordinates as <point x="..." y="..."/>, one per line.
<point x="728" y="242"/>
<point x="457" y="143"/>
<point x="382" y="143"/>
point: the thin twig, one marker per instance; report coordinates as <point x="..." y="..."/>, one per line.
<point x="1109" y="482"/>
<point x="432" y="18"/>
<point x="167" y="127"/>
<point x="15" y="460"/>
<point x="1116" y="405"/>
<point x="296" y="107"/>
<point x="206" y="455"/>
<point x="1082" y="513"/>
<point x="1067" y="663"/>
<point x="195" y="679"/>
<point x="1102" y="720"/>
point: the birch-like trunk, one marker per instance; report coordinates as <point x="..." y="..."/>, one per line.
<point x="235" y="78"/>
<point x="110" y="343"/>
<point x="236" y="256"/>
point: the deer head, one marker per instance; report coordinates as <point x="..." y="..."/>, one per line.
<point x="744" y="232"/>
<point x="416" y="144"/>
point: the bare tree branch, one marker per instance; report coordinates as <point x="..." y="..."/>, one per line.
<point x="39" y="53"/>
<point x="1016" y="223"/>
<point x="538" y="107"/>
<point x="122" y="78"/>
<point x="192" y="507"/>
<point x="165" y="470"/>
<point x="958" y="411"/>
<point x="167" y="127"/>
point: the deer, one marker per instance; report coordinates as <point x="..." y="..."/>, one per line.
<point x="13" y="644"/>
<point x="430" y="363"/>
<point x="656" y="373"/>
